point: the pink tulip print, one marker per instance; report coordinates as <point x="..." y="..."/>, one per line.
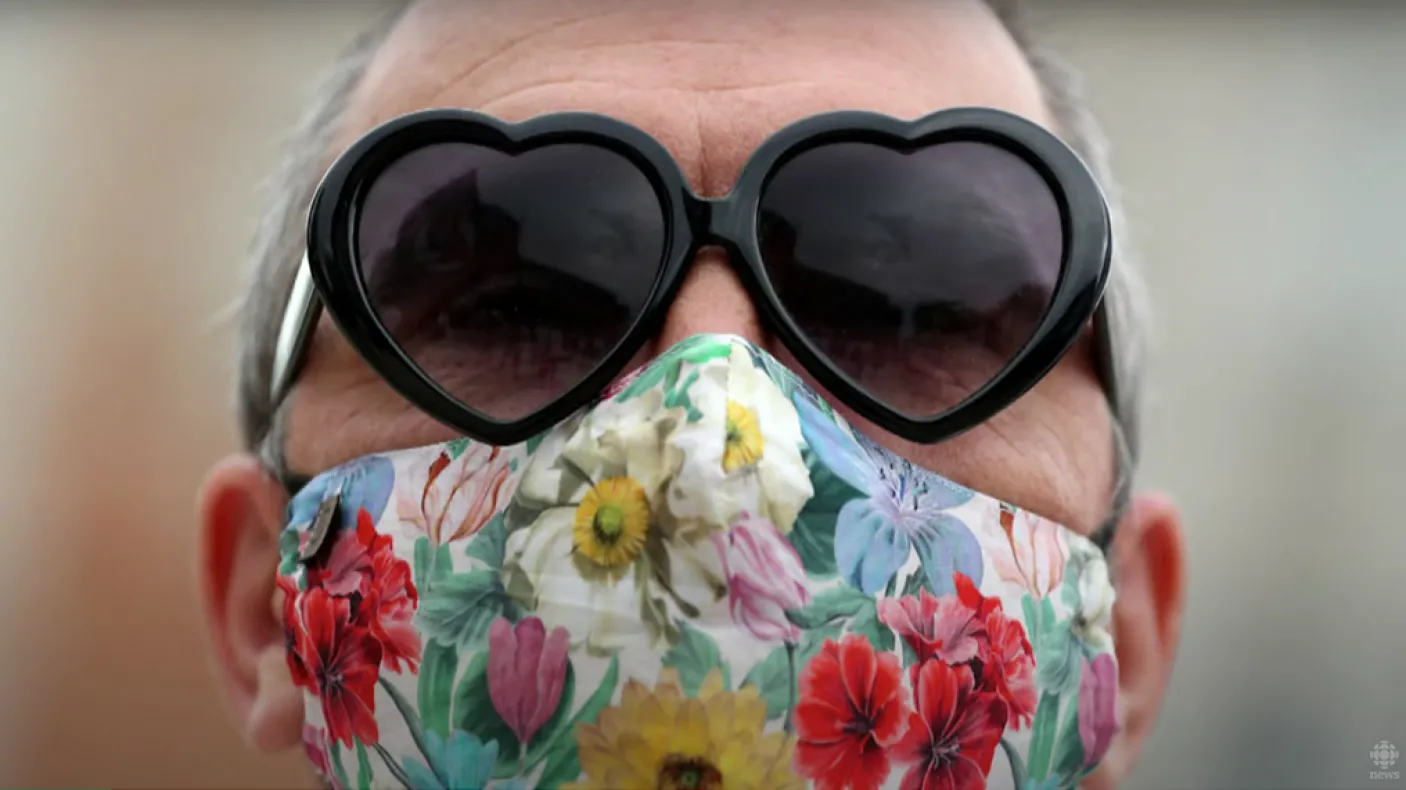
<point x="526" y="672"/>
<point x="764" y="578"/>
<point x="1098" y="712"/>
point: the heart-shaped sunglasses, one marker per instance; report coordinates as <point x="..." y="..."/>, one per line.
<point x="501" y="275"/>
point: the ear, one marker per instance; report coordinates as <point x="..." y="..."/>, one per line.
<point x="241" y="510"/>
<point x="1149" y="574"/>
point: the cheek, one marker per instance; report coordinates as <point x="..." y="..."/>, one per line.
<point x="342" y="410"/>
<point x="1050" y="452"/>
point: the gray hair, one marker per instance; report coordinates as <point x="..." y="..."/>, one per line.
<point x="278" y="242"/>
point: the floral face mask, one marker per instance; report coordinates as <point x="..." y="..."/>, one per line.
<point x="706" y="580"/>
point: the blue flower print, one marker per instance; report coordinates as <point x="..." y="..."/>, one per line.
<point x="460" y="761"/>
<point x="366" y="485"/>
<point x="904" y="510"/>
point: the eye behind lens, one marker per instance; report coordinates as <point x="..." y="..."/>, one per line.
<point x="919" y="274"/>
<point x="508" y="278"/>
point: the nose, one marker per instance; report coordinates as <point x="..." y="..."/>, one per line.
<point x="712" y="300"/>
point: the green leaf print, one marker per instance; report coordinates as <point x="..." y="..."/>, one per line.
<point x="456" y="448"/>
<point x="666" y="369"/>
<point x="772" y="678"/>
<point x="1030" y="609"/>
<point x="1042" y="735"/>
<point x="436" y="687"/>
<point x="420" y="563"/>
<point x="702" y="349"/>
<point x="559" y="749"/>
<point x="363" y="768"/>
<point x="831" y="605"/>
<point x="337" y="766"/>
<point x="431" y="565"/>
<point x="1069" y="747"/>
<point x="694" y="655"/>
<point x="652" y="377"/>
<point x="813" y="536"/>
<point x="916" y="582"/>
<point x="535" y="442"/>
<point x="474" y="713"/>
<point x="458" y="609"/>
<point x="288" y="542"/>
<point x="1021" y="780"/>
<point x="489" y="545"/>
<point x="867" y="624"/>
<point x="772" y="675"/>
<point x="679" y="399"/>
<point x="562" y="766"/>
<point x="412" y="721"/>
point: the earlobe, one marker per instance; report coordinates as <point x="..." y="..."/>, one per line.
<point x="1149" y="557"/>
<point x="241" y="511"/>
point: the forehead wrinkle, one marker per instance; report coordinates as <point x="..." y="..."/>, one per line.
<point x="509" y="48"/>
<point x="419" y="41"/>
<point x="532" y="42"/>
<point x="794" y="50"/>
<point x="681" y="67"/>
<point x="510" y="106"/>
<point x="711" y="134"/>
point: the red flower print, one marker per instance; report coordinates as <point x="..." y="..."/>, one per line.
<point x="388" y="611"/>
<point x="1009" y="670"/>
<point x="851" y="709"/>
<point x="315" y="744"/>
<point x="362" y="567"/>
<point x="291" y="626"/>
<point x="972" y="631"/>
<point x="338" y="660"/>
<point x="954" y="733"/>
<point x="346" y="570"/>
<point x="972" y="598"/>
<point x="951" y="628"/>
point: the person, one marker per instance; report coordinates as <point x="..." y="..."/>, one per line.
<point x="884" y="339"/>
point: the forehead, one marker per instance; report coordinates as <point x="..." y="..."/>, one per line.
<point x="709" y="79"/>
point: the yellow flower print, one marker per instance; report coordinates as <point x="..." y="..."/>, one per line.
<point x="661" y="739"/>
<point x="742" y="453"/>
<point x="592" y="546"/>
<point x="612" y="522"/>
<point x="743" y="443"/>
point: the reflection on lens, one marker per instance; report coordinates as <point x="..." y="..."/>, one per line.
<point x="920" y="274"/>
<point x="508" y="278"/>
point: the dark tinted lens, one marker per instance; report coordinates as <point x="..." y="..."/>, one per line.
<point x="508" y="278"/>
<point x="920" y="274"/>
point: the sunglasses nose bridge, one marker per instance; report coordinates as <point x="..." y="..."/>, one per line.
<point x="721" y="222"/>
<point x="714" y="221"/>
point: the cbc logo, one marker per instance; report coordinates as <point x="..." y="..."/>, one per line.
<point x="1384" y="755"/>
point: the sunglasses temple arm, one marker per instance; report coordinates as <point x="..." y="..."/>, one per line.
<point x="299" y="318"/>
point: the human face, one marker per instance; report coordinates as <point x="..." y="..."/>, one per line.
<point x="711" y="81"/>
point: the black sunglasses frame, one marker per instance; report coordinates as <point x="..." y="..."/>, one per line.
<point x="692" y="222"/>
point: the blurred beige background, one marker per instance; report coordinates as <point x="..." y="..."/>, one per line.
<point x="1263" y="150"/>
